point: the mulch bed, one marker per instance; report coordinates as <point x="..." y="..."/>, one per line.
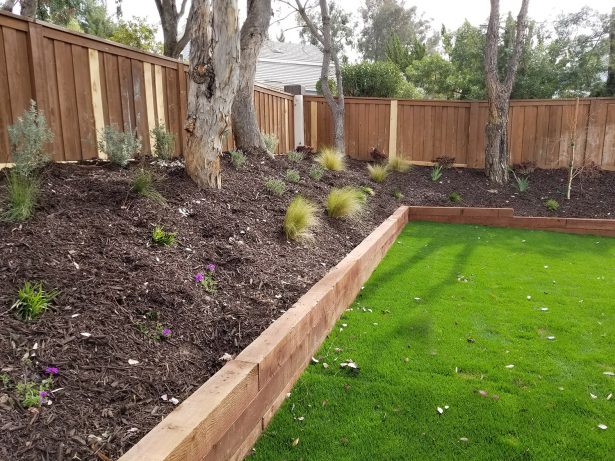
<point x="91" y="240"/>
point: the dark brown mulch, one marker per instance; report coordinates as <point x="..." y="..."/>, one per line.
<point x="91" y="240"/>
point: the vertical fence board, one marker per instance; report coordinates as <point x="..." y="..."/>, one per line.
<point x="140" y="105"/>
<point x="112" y="81"/>
<point x="608" y="150"/>
<point x="68" y="101"/>
<point x="5" y="107"/>
<point x="596" y="130"/>
<point x="85" y="109"/>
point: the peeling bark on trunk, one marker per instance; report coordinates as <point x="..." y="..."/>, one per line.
<point x="28" y="8"/>
<point x="498" y="92"/>
<point x="9" y="5"/>
<point x="173" y="45"/>
<point x="253" y="33"/>
<point x="214" y="73"/>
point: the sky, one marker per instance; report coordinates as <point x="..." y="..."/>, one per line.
<point x="451" y="13"/>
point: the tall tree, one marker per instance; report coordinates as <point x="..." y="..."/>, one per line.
<point x="321" y="32"/>
<point x="170" y="17"/>
<point x="214" y="74"/>
<point x="610" y="80"/>
<point x="253" y="34"/>
<point x="498" y="92"/>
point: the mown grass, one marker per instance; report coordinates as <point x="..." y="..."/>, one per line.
<point x="437" y="325"/>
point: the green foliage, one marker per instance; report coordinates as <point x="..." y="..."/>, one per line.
<point x="5" y="380"/>
<point x="87" y="16"/>
<point x="378" y="172"/>
<point x="28" y="137"/>
<point x="368" y="191"/>
<point x="294" y="156"/>
<point x="332" y="87"/>
<point x="137" y="33"/>
<point x="380" y="79"/>
<point x="455" y="197"/>
<point x="523" y="183"/>
<point x="345" y="202"/>
<point x="161" y="237"/>
<point x="144" y="183"/>
<point x="118" y="146"/>
<point x="436" y="173"/>
<point x="23" y="193"/>
<point x="271" y="142"/>
<point x="398" y="164"/>
<point x="32" y="394"/>
<point x="164" y="142"/>
<point x="292" y="176"/>
<point x="300" y="218"/>
<point x="238" y="159"/>
<point x="33" y="300"/>
<point x="403" y="55"/>
<point x="552" y="205"/>
<point x="316" y="172"/>
<point x="330" y="159"/>
<point x="275" y="186"/>
<point x="434" y="75"/>
<point x="397" y="194"/>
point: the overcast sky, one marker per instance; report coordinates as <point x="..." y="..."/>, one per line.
<point x="451" y="13"/>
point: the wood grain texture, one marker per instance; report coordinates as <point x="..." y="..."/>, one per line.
<point x="149" y="101"/>
<point x="97" y="96"/>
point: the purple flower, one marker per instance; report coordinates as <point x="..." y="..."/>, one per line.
<point x="198" y="278"/>
<point x="166" y="332"/>
<point x="42" y="395"/>
<point x="51" y="370"/>
<point x="211" y="267"/>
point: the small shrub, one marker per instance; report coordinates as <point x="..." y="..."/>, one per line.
<point x="523" y="183"/>
<point x="552" y="205"/>
<point x="144" y="183"/>
<point x="436" y="173"/>
<point x="398" y="164"/>
<point x="398" y="195"/>
<point x="445" y="161"/>
<point x="270" y="140"/>
<point x="32" y="395"/>
<point x="207" y="280"/>
<point x="275" y="186"/>
<point x="164" y="142"/>
<point x="524" y="168"/>
<point x="292" y="176"/>
<point x="5" y="380"/>
<point x="306" y="150"/>
<point x="330" y="159"/>
<point x="294" y="156"/>
<point x="455" y="197"/>
<point x="161" y="237"/>
<point x="33" y="300"/>
<point x="345" y="202"/>
<point x="300" y="218"/>
<point x="368" y="190"/>
<point x="118" y="146"/>
<point x="238" y="159"/>
<point x="377" y="155"/>
<point x="27" y="138"/>
<point x="316" y="172"/>
<point x="23" y="193"/>
<point x="377" y="172"/>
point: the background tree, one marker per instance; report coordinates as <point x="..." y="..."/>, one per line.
<point x="610" y="80"/>
<point x="170" y="17"/>
<point x="253" y="34"/>
<point x="136" y="33"/>
<point x="403" y="55"/>
<point x="214" y="74"/>
<point x="381" y="79"/>
<point x="498" y="92"/>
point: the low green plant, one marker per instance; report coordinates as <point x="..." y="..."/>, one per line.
<point x="275" y="186"/>
<point x="27" y="137"/>
<point x="32" y="394"/>
<point x="368" y="190"/>
<point x="316" y="172"/>
<point x="436" y="173"/>
<point x="161" y="237"/>
<point x="300" y="218"/>
<point x="238" y="159"/>
<point x="330" y="159"/>
<point x="455" y="197"/>
<point x="552" y="205"/>
<point x="523" y="183"/>
<point x="164" y="142"/>
<point x="292" y="176"/>
<point x="207" y="279"/>
<point x="345" y="202"/>
<point x="270" y="140"/>
<point x="23" y="193"/>
<point x="398" y="164"/>
<point x="294" y="156"/>
<point x="118" y="146"/>
<point x="378" y="172"/>
<point x="5" y="380"/>
<point x="144" y="183"/>
<point x="397" y="194"/>
<point x="33" y="300"/>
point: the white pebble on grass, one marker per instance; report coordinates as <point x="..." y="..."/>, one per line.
<point x="604" y="427"/>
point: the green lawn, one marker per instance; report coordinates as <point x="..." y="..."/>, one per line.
<point x="510" y="332"/>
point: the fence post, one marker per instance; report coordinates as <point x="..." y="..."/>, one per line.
<point x="314" y="124"/>
<point x="299" y="123"/>
<point x="393" y="129"/>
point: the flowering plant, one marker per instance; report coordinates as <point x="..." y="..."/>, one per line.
<point x="207" y="280"/>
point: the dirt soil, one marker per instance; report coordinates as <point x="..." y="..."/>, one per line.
<point x="91" y="240"/>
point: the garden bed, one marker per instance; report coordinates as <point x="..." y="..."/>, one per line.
<point x="91" y="240"/>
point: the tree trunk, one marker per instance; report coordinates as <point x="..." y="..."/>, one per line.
<point x="253" y="33"/>
<point x="610" y="81"/>
<point x="9" y="5"/>
<point x="214" y="73"/>
<point x="169" y="20"/>
<point x="496" y="150"/>
<point x="28" y="8"/>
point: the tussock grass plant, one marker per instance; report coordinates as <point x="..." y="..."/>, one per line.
<point x="346" y="202"/>
<point x="23" y="193"/>
<point x="33" y="300"/>
<point x="377" y="172"/>
<point x="330" y="159"/>
<point x="270" y="140"/>
<point x="398" y="164"/>
<point x="300" y="219"/>
<point x="144" y="183"/>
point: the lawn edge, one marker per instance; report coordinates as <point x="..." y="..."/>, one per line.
<point x="224" y="417"/>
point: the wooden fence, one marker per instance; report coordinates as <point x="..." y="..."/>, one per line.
<point x="83" y="83"/>
<point x="418" y="130"/>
